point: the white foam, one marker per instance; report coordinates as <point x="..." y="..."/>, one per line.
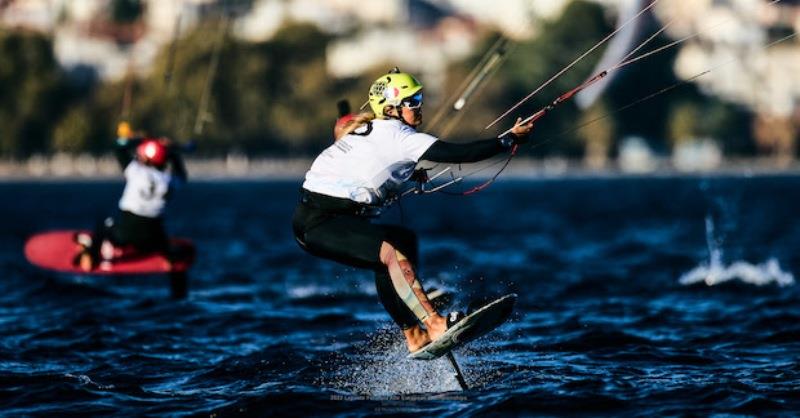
<point x="715" y="272"/>
<point x="757" y="274"/>
<point x="87" y="381"/>
<point x="353" y="287"/>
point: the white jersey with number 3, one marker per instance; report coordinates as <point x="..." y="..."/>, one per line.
<point x="145" y="191"/>
<point x="369" y="165"/>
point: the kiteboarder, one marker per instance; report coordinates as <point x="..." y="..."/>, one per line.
<point x="362" y="172"/>
<point x="345" y="119"/>
<point x="153" y="169"/>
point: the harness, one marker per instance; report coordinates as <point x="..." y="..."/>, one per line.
<point x="338" y="205"/>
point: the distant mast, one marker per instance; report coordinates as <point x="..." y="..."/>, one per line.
<point x="616" y="51"/>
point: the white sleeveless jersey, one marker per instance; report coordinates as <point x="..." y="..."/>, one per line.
<point x="145" y="190"/>
<point x="369" y="165"/>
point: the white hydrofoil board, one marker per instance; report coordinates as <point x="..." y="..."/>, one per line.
<point x="474" y="325"/>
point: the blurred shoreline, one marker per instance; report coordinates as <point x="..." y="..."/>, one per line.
<point x="85" y="168"/>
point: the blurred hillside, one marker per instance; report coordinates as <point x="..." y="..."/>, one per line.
<point x="262" y="77"/>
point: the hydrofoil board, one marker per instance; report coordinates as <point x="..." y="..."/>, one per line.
<point x="473" y="326"/>
<point x="56" y="250"/>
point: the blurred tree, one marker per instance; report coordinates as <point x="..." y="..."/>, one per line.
<point x="684" y="123"/>
<point x="276" y="97"/>
<point x="34" y="92"/>
<point x="708" y="117"/>
<point x="680" y="113"/>
<point x="530" y="64"/>
<point x="731" y="124"/>
<point x="73" y="132"/>
<point x="269" y="97"/>
<point x="597" y="130"/>
<point x="287" y="81"/>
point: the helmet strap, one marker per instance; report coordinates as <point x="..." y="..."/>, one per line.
<point x="391" y="116"/>
<point x="399" y="116"/>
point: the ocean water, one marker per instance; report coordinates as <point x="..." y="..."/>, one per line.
<point x="638" y="297"/>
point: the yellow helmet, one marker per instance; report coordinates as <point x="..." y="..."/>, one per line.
<point x="390" y="90"/>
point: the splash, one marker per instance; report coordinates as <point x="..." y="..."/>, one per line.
<point x="87" y="381"/>
<point x="757" y="274"/>
<point x="715" y="272"/>
<point x="381" y="371"/>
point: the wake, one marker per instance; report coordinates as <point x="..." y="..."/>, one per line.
<point x="715" y="272"/>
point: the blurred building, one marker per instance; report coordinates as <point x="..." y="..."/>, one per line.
<point x="420" y="35"/>
<point x="88" y="37"/>
<point x="755" y="56"/>
<point x="635" y="156"/>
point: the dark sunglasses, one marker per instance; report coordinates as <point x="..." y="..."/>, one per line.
<point x="413" y="102"/>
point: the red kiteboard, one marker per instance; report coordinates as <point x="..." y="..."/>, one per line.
<point x="55" y="250"/>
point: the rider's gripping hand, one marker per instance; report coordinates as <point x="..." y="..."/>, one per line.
<point x="518" y="135"/>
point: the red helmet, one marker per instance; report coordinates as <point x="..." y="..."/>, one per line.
<point x="344" y="120"/>
<point x="152" y="152"/>
<point x="341" y="124"/>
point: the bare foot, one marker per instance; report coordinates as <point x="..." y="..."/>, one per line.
<point x="436" y="326"/>
<point x="416" y="338"/>
<point x="85" y="262"/>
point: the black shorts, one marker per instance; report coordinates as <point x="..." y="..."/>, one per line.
<point x="349" y="238"/>
<point x="143" y="233"/>
<point x="337" y="229"/>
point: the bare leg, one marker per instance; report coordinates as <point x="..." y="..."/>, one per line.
<point x="413" y="295"/>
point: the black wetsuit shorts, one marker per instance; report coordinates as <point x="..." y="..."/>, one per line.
<point x="341" y="230"/>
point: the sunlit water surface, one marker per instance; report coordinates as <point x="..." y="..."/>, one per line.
<point x="638" y="296"/>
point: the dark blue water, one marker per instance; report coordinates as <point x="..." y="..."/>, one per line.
<point x="638" y="296"/>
